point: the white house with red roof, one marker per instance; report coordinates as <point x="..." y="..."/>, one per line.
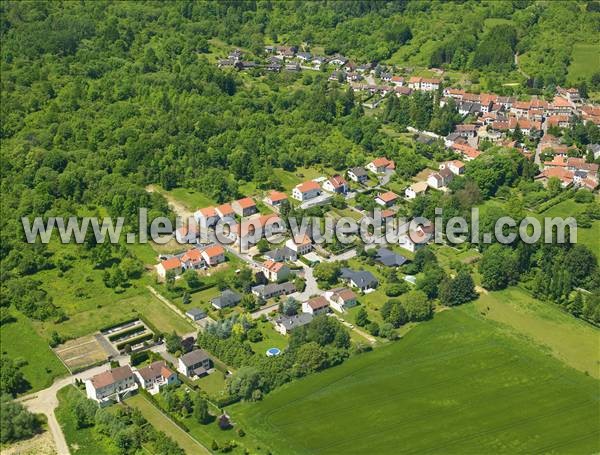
<point x="213" y="255"/>
<point x="111" y="385"/>
<point x="306" y="191"/>
<point x="300" y="246"/>
<point x="206" y="217"/>
<point x="225" y="212"/>
<point x="457" y="167"/>
<point x="336" y="184"/>
<point x="341" y="299"/>
<point x="244" y="207"/>
<point x="171" y="264"/>
<point x="187" y="233"/>
<point x="381" y="165"/>
<point x="155" y="376"/>
<point x="316" y="305"/>
<point x="276" y="198"/>
<point x="275" y="271"/>
<point x="387" y="199"/>
<point x="192" y="259"/>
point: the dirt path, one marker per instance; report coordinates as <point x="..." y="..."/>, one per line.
<point x="180" y="209"/>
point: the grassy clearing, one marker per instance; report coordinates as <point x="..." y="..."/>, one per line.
<point x="159" y="421"/>
<point x="90" y="320"/>
<point x="573" y="341"/>
<point x="451" y="385"/>
<point x="213" y="384"/>
<point x="584" y="61"/>
<point x="191" y="198"/>
<point x="20" y="340"/>
<point x="290" y="179"/>
<point x="80" y="440"/>
<point x="271" y="339"/>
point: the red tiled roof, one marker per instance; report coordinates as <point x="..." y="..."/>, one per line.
<point x="171" y="263"/>
<point x="305" y="187"/>
<point x="246" y="203"/>
<point x="225" y="209"/>
<point x="388" y="196"/>
<point x="214" y="250"/>
<point x="337" y="181"/>
<point x="208" y="212"/>
<point x="193" y="255"/>
<point x="317" y="303"/>
<point x="277" y="196"/>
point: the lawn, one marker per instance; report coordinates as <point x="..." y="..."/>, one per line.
<point x="192" y="199"/>
<point x="271" y="339"/>
<point x="19" y="340"/>
<point x="290" y="179"/>
<point x="570" y="339"/>
<point x="80" y="440"/>
<point x="89" y="320"/>
<point x="584" y="61"/>
<point x="455" y="384"/>
<point x="159" y="421"/>
<point x="213" y="384"/>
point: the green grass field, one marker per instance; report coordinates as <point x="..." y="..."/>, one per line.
<point x="452" y="385"/>
<point x="572" y="340"/>
<point x="584" y="61"/>
<point x="158" y="420"/>
<point x="19" y="340"/>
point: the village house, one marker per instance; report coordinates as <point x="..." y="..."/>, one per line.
<point x="171" y="264"/>
<point x="338" y="60"/>
<point x="423" y="83"/>
<point x="468" y="108"/>
<point x="227" y="299"/>
<point x="206" y="217"/>
<point x="341" y="299"/>
<point x="457" y="167"/>
<point x="275" y="271"/>
<point x="358" y="174"/>
<point x="389" y="258"/>
<point x="213" y="255"/>
<point x="195" y="363"/>
<point x="304" y="56"/>
<point x="559" y="120"/>
<point x="336" y="184"/>
<point x="225" y="212"/>
<point x="252" y="230"/>
<point x="192" y="259"/>
<point x="271" y="290"/>
<point x="244" y="207"/>
<point x="565" y="176"/>
<point x="306" y="191"/>
<point x="440" y="179"/>
<point x="111" y="385"/>
<point x="316" y="305"/>
<point x="381" y="165"/>
<point x="281" y="254"/>
<point x="155" y="376"/>
<point x="468" y="153"/>
<point x="412" y="240"/>
<point x="276" y="198"/>
<point x="397" y="81"/>
<point x="362" y="279"/>
<point x="415" y="190"/>
<point x="187" y="233"/>
<point x="303" y="246"/>
<point x="195" y="314"/>
<point x="387" y="199"/>
<point x="467" y="130"/>
<point x="286" y="324"/>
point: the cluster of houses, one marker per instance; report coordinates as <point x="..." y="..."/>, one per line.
<point x="117" y="383"/>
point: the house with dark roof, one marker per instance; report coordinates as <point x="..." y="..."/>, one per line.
<point x="194" y="363"/>
<point x="281" y="254"/>
<point x="268" y="291"/>
<point x="195" y="314"/>
<point x="228" y="298"/>
<point x="389" y="258"/>
<point x="155" y="376"/>
<point x="285" y="324"/>
<point x="361" y="279"/>
<point x="358" y="174"/>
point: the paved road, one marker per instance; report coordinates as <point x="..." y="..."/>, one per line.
<point x="45" y="401"/>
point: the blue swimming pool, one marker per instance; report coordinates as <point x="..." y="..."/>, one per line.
<point x="272" y="352"/>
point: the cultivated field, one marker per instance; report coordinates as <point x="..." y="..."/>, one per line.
<point x="452" y="385"/>
<point x="81" y="352"/>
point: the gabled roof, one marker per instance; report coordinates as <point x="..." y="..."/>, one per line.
<point x="318" y="303"/>
<point x="273" y="266"/>
<point x="171" y="263"/>
<point x="337" y="181"/>
<point x="207" y="212"/>
<point x="194" y="357"/>
<point x="225" y="209"/>
<point x="193" y="255"/>
<point x="419" y="187"/>
<point x="246" y="203"/>
<point x="359" y="171"/>
<point x="214" y="251"/>
<point x="277" y="196"/>
<point x="112" y="376"/>
<point x="155" y="370"/>
<point x="390" y="258"/>
<point x="362" y="278"/>
<point x="305" y="187"/>
<point x="344" y="294"/>
<point x="388" y="196"/>
<point x="383" y="162"/>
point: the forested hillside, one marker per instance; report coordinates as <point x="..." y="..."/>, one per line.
<point x="100" y="99"/>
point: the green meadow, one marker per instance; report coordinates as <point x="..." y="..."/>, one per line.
<point x="451" y="385"/>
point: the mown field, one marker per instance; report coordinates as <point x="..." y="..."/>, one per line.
<point x="452" y="385"/>
<point x="584" y="61"/>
